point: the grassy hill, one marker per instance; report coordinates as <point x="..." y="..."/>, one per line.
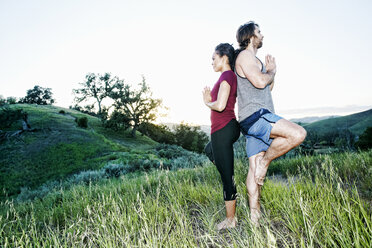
<point x="318" y="207"/>
<point x="317" y="201"/>
<point x="356" y="123"/>
<point x="59" y="148"/>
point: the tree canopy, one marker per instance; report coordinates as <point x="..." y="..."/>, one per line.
<point x="137" y="105"/>
<point x="38" y="95"/>
<point x="97" y="87"/>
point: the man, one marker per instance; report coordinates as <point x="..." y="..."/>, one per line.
<point x="268" y="136"/>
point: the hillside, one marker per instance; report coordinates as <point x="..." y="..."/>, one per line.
<point x="356" y="123"/>
<point x="318" y="207"/>
<point x="59" y="148"/>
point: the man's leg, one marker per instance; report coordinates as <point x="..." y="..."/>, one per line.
<point x="286" y="135"/>
<point x="254" y="190"/>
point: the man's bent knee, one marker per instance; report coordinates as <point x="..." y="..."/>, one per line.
<point x="301" y="135"/>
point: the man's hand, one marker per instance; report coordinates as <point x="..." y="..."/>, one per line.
<point x="270" y="64"/>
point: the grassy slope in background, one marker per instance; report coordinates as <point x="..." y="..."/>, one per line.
<point x="356" y="123"/>
<point x="59" y="148"/>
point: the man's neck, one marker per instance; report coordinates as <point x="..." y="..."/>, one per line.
<point x="251" y="48"/>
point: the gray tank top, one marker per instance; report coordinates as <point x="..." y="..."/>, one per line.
<point x="251" y="99"/>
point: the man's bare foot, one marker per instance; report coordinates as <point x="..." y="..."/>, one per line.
<point x="255" y="217"/>
<point x="260" y="172"/>
<point x="227" y="223"/>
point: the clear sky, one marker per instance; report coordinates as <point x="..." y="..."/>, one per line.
<point x="322" y="49"/>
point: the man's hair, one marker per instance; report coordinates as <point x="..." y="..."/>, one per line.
<point x="245" y="33"/>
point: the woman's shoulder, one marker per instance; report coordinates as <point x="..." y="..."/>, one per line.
<point x="228" y="76"/>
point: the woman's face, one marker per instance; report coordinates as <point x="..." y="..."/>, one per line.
<point x="217" y="62"/>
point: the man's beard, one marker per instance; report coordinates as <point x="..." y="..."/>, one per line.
<point x="259" y="44"/>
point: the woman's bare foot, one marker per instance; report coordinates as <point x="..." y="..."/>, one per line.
<point x="227" y="223"/>
<point x="260" y="172"/>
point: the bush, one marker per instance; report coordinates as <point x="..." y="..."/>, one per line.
<point x="9" y="116"/>
<point x="365" y="140"/>
<point x="159" y="133"/>
<point x="177" y="157"/>
<point x="86" y="110"/>
<point x="87" y="176"/>
<point x="82" y="122"/>
<point x="190" y="137"/>
<point x="2" y="100"/>
<point x="117" y="121"/>
<point x="144" y="165"/>
<point x="28" y="194"/>
<point x="62" y="112"/>
<point x="170" y="151"/>
<point x="11" y="100"/>
<point x="114" y="170"/>
<point x="191" y="161"/>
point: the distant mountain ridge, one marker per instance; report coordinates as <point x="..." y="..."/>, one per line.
<point x="356" y="123"/>
<point x="312" y="119"/>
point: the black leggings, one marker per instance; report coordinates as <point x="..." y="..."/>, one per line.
<point x="223" y="153"/>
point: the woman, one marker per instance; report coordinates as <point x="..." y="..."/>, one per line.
<point x="224" y="126"/>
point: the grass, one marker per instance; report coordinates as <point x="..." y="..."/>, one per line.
<point x="58" y="149"/>
<point x="181" y="208"/>
<point x="352" y="168"/>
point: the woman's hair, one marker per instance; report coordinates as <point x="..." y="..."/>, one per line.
<point x="244" y="34"/>
<point x="228" y="50"/>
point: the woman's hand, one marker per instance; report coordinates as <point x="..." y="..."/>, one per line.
<point x="207" y="95"/>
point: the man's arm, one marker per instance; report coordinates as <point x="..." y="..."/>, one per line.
<point x="272" y="85"/>
<point x="252" y="70"/>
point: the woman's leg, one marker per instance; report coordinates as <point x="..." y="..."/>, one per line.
<point x="230" y="220"/>
<point x="222" y="144"/>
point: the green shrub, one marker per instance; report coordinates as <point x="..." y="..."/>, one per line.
<point x="177" y="157"/>
<point x="170" y="151"/>
<point x="188" y="161"/>
<point x="2" y="100"/>
<point x="87" y="177"/>
<point x="114" y="170"/>
<point x="9" y="116"/>
<point x="82" y="122"/>
<point x="11" y="100"/>
<point x="28" y="194"/>
<point x="159" y="133"/>
<point x="62" y="112"/>
<point x="190" y="137"/>
<point x="143" y="165"/>
<point x="365" y="140"/>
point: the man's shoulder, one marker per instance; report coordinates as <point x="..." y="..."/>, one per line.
<point x="246" y="55"/>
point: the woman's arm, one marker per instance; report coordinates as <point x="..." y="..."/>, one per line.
<point x="222" y="97"/>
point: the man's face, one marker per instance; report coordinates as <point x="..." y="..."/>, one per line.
<point x="258" y="38"/>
